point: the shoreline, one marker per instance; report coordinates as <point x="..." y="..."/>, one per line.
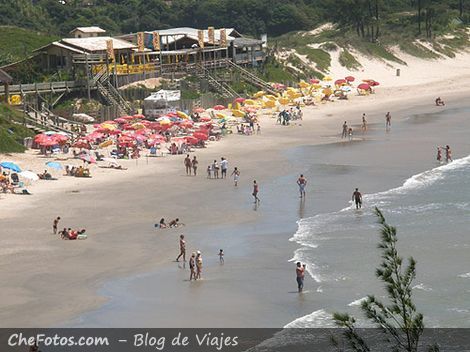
<point x="257" y="154"/>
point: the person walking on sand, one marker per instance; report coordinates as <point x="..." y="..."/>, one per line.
<point x="300" y="274"/>
<point x="192" y="266"/>
<point x="357" y="198"/>
<point x="55" y="224"/>
<point x="221" y="256"/>
<point x="350" y="134"/>
<point x="345" y="130"/>
<point x="255" y="192"/>
<point x="182" y="249"/>
<point x="439" y="155"/>
<point x="198" y="265"/>
<point x="302" y="183"/>
<point x="388" y="121"/>
<point x="448" y="154"/>
<point x="364" y="123"/>
<point x="187" y="164"/>
<point x="194" y="164"/>
<point x="215" y="169"/>
<point x="236" y="176"/>
<point x="223" y="167"/>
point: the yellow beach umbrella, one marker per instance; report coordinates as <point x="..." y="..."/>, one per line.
<point x="327" y="78"/>
<point x="106" y="144"/>
<point x="182" y="115"/>
<point x="249" y="102"/>
<point x="283" y="101"/>
<point x="138" y="126"/>
<point x="108" y="126"/>
<point x="259" y="94"/>
<point x="269" y="103"/>
<point x="238" y="113"/>
<point x="219" y="115"/>
<point x="303" y="84"/>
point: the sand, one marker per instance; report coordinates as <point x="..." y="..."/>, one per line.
<point x="46" y="281"/>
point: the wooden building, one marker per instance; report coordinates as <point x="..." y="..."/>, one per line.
<point x="87" y="32"/>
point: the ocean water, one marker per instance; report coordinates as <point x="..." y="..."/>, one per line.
<point x="431" y="211"/>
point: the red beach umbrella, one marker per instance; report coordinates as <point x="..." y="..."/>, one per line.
<point x="374" y="83"/>
<point x="201" y="136"/>
<point x="364" y="86"/>
<point x="349" y="78"/>
<point x="41" y="137"/>
<point x="239" y="100"/>
<point x="127" y="117"/>
<point x="219" y="107"/>
<point x="205" y="119"/>
<point x="82" y="144"/>
<point x="192" y="140"/>
<point x="120" y="120"/>
<point x="48" y="143"/>
<point x="340" y="82"/>
<point x="199" y="110"/>
<point x="139" y="116"/>
<point x="314" y="81"/>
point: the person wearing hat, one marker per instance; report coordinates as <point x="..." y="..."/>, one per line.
<point x="198" y="265"/>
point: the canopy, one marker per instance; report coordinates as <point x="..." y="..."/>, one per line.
<point x="10" y="166"/>
<point x="54" y="165"/>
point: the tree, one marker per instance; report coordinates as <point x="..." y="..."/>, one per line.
<point x="399" y="319"/>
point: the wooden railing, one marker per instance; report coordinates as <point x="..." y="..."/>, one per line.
<point x="57" y="87"/>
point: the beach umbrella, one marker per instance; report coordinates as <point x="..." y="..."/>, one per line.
<point x="81" y="144"/>
<point x="364" y="86"/>
<point x="219" y="107"/>
<point x="199" y="110"/>
<point x="41" y="138"/>
<point x="120" y="120"/>
<point x="10" y="166"/>
<point x="314" y="81"/>
<point x="108" y="126"/>
<point x="106" y="144"/>
<point x="139" y="116"/>
<point x="374" y="83"/>
<point x="250" y="102"/>
<point x="138" y="126"/>
<point x="239" y="100"/>
<point x="201" y="136"/>
<point x="48" y="143"/>
<point x="349" y="78"/>
<point x="340" y="82"/>
<point x="54" y="165"/>
<point x="327" y="78"/>
<point x="29" y="175"/>
<point x="205" y="119"/>
<point x="127" y="117"/>
<point x="191" y="140"/>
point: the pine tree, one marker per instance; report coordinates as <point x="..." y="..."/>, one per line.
<point x="398" y="320"/>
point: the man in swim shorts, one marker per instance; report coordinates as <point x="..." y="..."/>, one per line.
<point x="357" y="198"/>
<point x="300" y="272"/>
<point x="302" y="182"/>
<point x="182" y="249"/>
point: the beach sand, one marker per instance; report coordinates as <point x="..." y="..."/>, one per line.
<point x="49" y="282"/>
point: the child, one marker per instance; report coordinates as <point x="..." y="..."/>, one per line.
<point x="221" y="256"/>
<point x="209" y="171"/>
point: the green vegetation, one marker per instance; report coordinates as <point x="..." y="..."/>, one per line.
<point x="273" y="71"/>
<point x="399" y="321"/>
<point x="17" y="43"/>
<point x="347" y="60"/>
<point x="318" y="56"/>
<point x="12" y="134"/>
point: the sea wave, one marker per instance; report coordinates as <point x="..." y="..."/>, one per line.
<point x="357" y="302"/>
<point x="318" y="319"/>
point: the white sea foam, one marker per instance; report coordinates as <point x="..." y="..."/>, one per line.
<point x="318" y="319"/>
<point x="357" y="302"/>
<point x="465" y="276"/>
<point x="422" y="287"/>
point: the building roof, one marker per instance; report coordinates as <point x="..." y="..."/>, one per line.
<point x="243" y="42"/>
<point x="92" y="29"/>
<point x="5" y="77"/>
<point x="169" y="36"/>
<point x="94" y="44"/>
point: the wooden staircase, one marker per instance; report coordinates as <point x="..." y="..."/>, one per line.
<point x="216" y="84"/>
<point x="109" y="93"/>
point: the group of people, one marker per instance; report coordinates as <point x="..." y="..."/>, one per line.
<point x="448" y="154"/>
<point x="347" y="131"/>
<point x="75" y="171"/>
<point x="68" y="233"/>
<point x="195" y="261"/>
<point x="172" y="224"/>
<point x="214" y="168"/>
<point x="439" y="102"/>
<point x="285" y="116"/>
<point x="191" y="165"/>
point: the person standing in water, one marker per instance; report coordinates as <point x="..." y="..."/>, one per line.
<point x="255" y="192"/>
<point x="192" y="266"/>
<point x="357" y="198"/>
<point x="221" y="256"/>
<point x="182" y="249"/>
<point x="236" y="176"/>
<point x="302" y="183"/>
<point x="198" y="265"/>
<point x="439" y="155"/>
<point x="345" y="130"/>
<point x="448" y="154"/>
<point x="364" y="123"/>
<point x="300" y="273"/>
<point x="388" y="121"/>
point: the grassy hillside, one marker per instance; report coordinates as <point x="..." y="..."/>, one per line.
<point x="11" y="134"/>
<point x="17" y="43"/>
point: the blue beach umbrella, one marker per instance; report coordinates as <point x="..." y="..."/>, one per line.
<point x="54" y="165"/>
<point x="11" y="166"/>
